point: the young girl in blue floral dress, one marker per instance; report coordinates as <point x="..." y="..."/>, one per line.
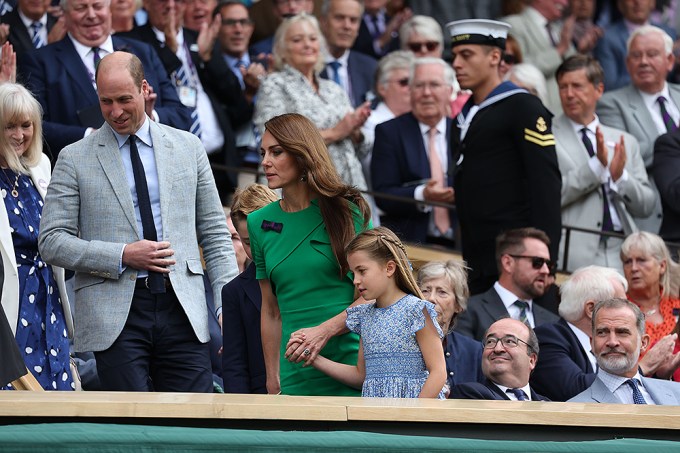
<point x="401" y="352"/>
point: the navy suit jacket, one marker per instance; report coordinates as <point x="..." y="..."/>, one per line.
<point x="563" y="369"/>
<point x="60" y="81"/>
<point x="364" y="41"/>
<point x="19" y="35"/>
<point x="242" y="360"/>
<point x="361" y="69"/>
<point x="666" y="169"/>
<point x="486" y="391"/>
<point x="399" y="164"/>
<point x="463" y="359"/>
<point x="264" y="46"/>
<point x="486" y="308"/>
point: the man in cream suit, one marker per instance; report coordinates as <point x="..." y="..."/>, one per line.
<point x="604" y="180"/>
<point x="545" y="41"/>
<point x="618" y="338"/>
<point x="637" y="108"/>
<point x="127" y="209"/>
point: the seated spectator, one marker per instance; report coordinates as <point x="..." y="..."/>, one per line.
<point x="524" y="263"/>
<point x="32" y="27"/>
<point x="512" y="55"/>
<point x="567" y="366"/>
<point x="665" y="170"/>
<point x="243" y="369"/>
<point x="604" y="182"/>
<point x="646" y="265"/>
<point x="586" y="34"/>
<point x="352" y="70"/>
<point x="295" y="87"/>
<point x="283" y="9"/>
<point x="199" y="12"/>
<point x="529" y="77"/>
<point x="618" y="340"/>
<point x="510" y="354"/>
<point x="378" y="32"/>
<point x="444" y="283"/>
<point x="61" y="76"/>
<point x="611" y="48"/>
<point x="411" y="156"/>
<point x="123" y="14"/>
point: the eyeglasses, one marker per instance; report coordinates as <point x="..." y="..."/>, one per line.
<point x="234" y="22"/>
<point x="401" y="82"/>
<point x="536" y="261"/>
<point x="509" y="59"/>
<point x="508" y="342"/>
<point x="433" y="86"/>
<point x="418" y="46"/>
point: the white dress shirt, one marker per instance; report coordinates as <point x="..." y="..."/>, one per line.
<point x="509" y="300"/>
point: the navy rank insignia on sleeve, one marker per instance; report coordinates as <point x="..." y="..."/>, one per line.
<point x="540" y="125"/>
<point x="539" y="139"/>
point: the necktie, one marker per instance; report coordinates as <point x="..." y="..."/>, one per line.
<point x="667" y="120"/>
<point x="182" y="79"/>
<point x="519" y="394"/>
<point x="95" y="57"/>
<point x="523" y="307"/>
<point x="607" y="224"/>
<point x="156" y="280"/>
<point x="335" y="70"/>
<point x="238" y="65"/>
<point x="36" y="38"/>
<point x="441" y="215"/>
<point x="637" y="394"/>
<point x="548" y="28"/>
<point x="376" y="32"/>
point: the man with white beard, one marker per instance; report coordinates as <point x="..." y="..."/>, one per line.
<point x="617" y="341"/>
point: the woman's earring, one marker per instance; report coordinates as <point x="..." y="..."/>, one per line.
<point x="303" y="178"/>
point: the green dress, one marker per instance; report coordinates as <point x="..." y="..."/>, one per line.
<point x="304" y="276"/>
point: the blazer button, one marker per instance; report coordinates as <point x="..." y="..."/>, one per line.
<point x="451" y="373"/>
<point x="133" y="277"/>
<point x="448" y="354"/>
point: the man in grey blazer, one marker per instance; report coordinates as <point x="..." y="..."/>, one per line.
<point x="604" y="180"/>
<point x="618" y="338"/>
<point x="523" y="260"/>
<point x="127" y="209"/>
<point x="637" y="109"/>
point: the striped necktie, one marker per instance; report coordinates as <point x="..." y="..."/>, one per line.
<point x="36" y="37"/>
<point x="523" y="307"/>
<point x="667" y="120"/>
<point x="519" y="394"/>
<point x="182" y="79"/>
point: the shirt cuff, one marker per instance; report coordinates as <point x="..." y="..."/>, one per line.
<point x="613" y="185"/>
<point x="418" y="195"/>
<point x="121" y="268"/>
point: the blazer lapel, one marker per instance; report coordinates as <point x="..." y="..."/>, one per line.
<point x="640" y="112"/>
<point x="251" y="287"/>
<point x="496" y="390"/>
<point x="76" y="69"/>
<point x="108" y="155"/>
<point x="413" y="140"/>
<point x="494" y="305"/>
<point x="162" y="149"/>
<point x="600" y="393"/>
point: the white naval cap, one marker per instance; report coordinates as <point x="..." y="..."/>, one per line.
<point x="478" y="31"/>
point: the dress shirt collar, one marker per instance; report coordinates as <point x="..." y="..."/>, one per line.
<point x="584" y="340"/>
<point x="28" y="22"/>
<point x="650" y="98"/>
<point x="592" y="127"/>
<point x="232" y="61"/>
<point x="160" y="36"/>
<point x="613" y="381"/>
<point x="631" y="27"/>
<point x="344" y="59"/>
<point x="526" y="388"/>
<point x="508" y="297"/>
<point x="440" y="126"/>
<point x="143" y="134"/>
<point x="83" y="50"/>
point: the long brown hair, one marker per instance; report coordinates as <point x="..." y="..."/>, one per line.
<point x="382" y="245"/>
<point x="302" y="140"/>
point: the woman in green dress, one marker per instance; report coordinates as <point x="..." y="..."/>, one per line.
<point x="297" y="245"/>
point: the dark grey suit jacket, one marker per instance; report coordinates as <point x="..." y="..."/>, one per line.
<point x="486" y="308"/>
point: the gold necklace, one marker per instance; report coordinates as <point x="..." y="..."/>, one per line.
<point x="14" y="191"/>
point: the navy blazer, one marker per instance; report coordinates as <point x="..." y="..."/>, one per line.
<point x="60" y="81"/>
<point x="361" y="69"/>
<point x="364" y="41"/>
<point x="399" y="164"/>
<point x="19" y="35"/>
<point x="463" y="359"/>
<point x="666" y="169"/>
<point x="486" y="391"/>
<point x="563" y="369"/>
<point x="243" y="368"/>
<point x="486" y="308"/>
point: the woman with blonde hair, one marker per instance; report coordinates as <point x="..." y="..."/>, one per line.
<point x="33" y="295"/>
<point x="298" y="246"/>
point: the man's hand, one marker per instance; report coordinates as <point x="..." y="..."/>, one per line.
<point x="58" y="31"/>
<point x="207" y="36"/>
<point x="170" y="31"/>
<point x="566" y="35"/>
<point x="8" y="64"/>
<point x="149" y="255"/>
<point x="602" y="153"/>
<point x="658" y="354"/>
<point x="435" y="192"/>
<point x="150" y="102"/>
<point x="4" y="33"/>
<point x="313" y="338"/>
<point x="618" y="163"/>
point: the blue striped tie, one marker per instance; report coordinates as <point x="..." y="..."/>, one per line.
<point x="182" y="79"/>
<point x="36" y="39"/>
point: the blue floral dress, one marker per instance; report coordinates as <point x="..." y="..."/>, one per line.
<point x="41" y="332"/>
<point x="395" y="367"/>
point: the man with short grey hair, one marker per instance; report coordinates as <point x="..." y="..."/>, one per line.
<point x="618" y="340"/>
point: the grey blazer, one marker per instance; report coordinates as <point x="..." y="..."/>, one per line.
<point x="625" y="110"/>
<point x="486" y="308"/>
<point x="582" y="194"/>
<point x="89" y="215"/>
<point x="664" y="393"/>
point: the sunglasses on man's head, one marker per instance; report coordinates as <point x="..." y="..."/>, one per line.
<point x="418" y="46"/>
<point x="536" y="261"/>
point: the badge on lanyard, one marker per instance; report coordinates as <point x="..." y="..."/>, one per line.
<point x="188" y="95"/>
